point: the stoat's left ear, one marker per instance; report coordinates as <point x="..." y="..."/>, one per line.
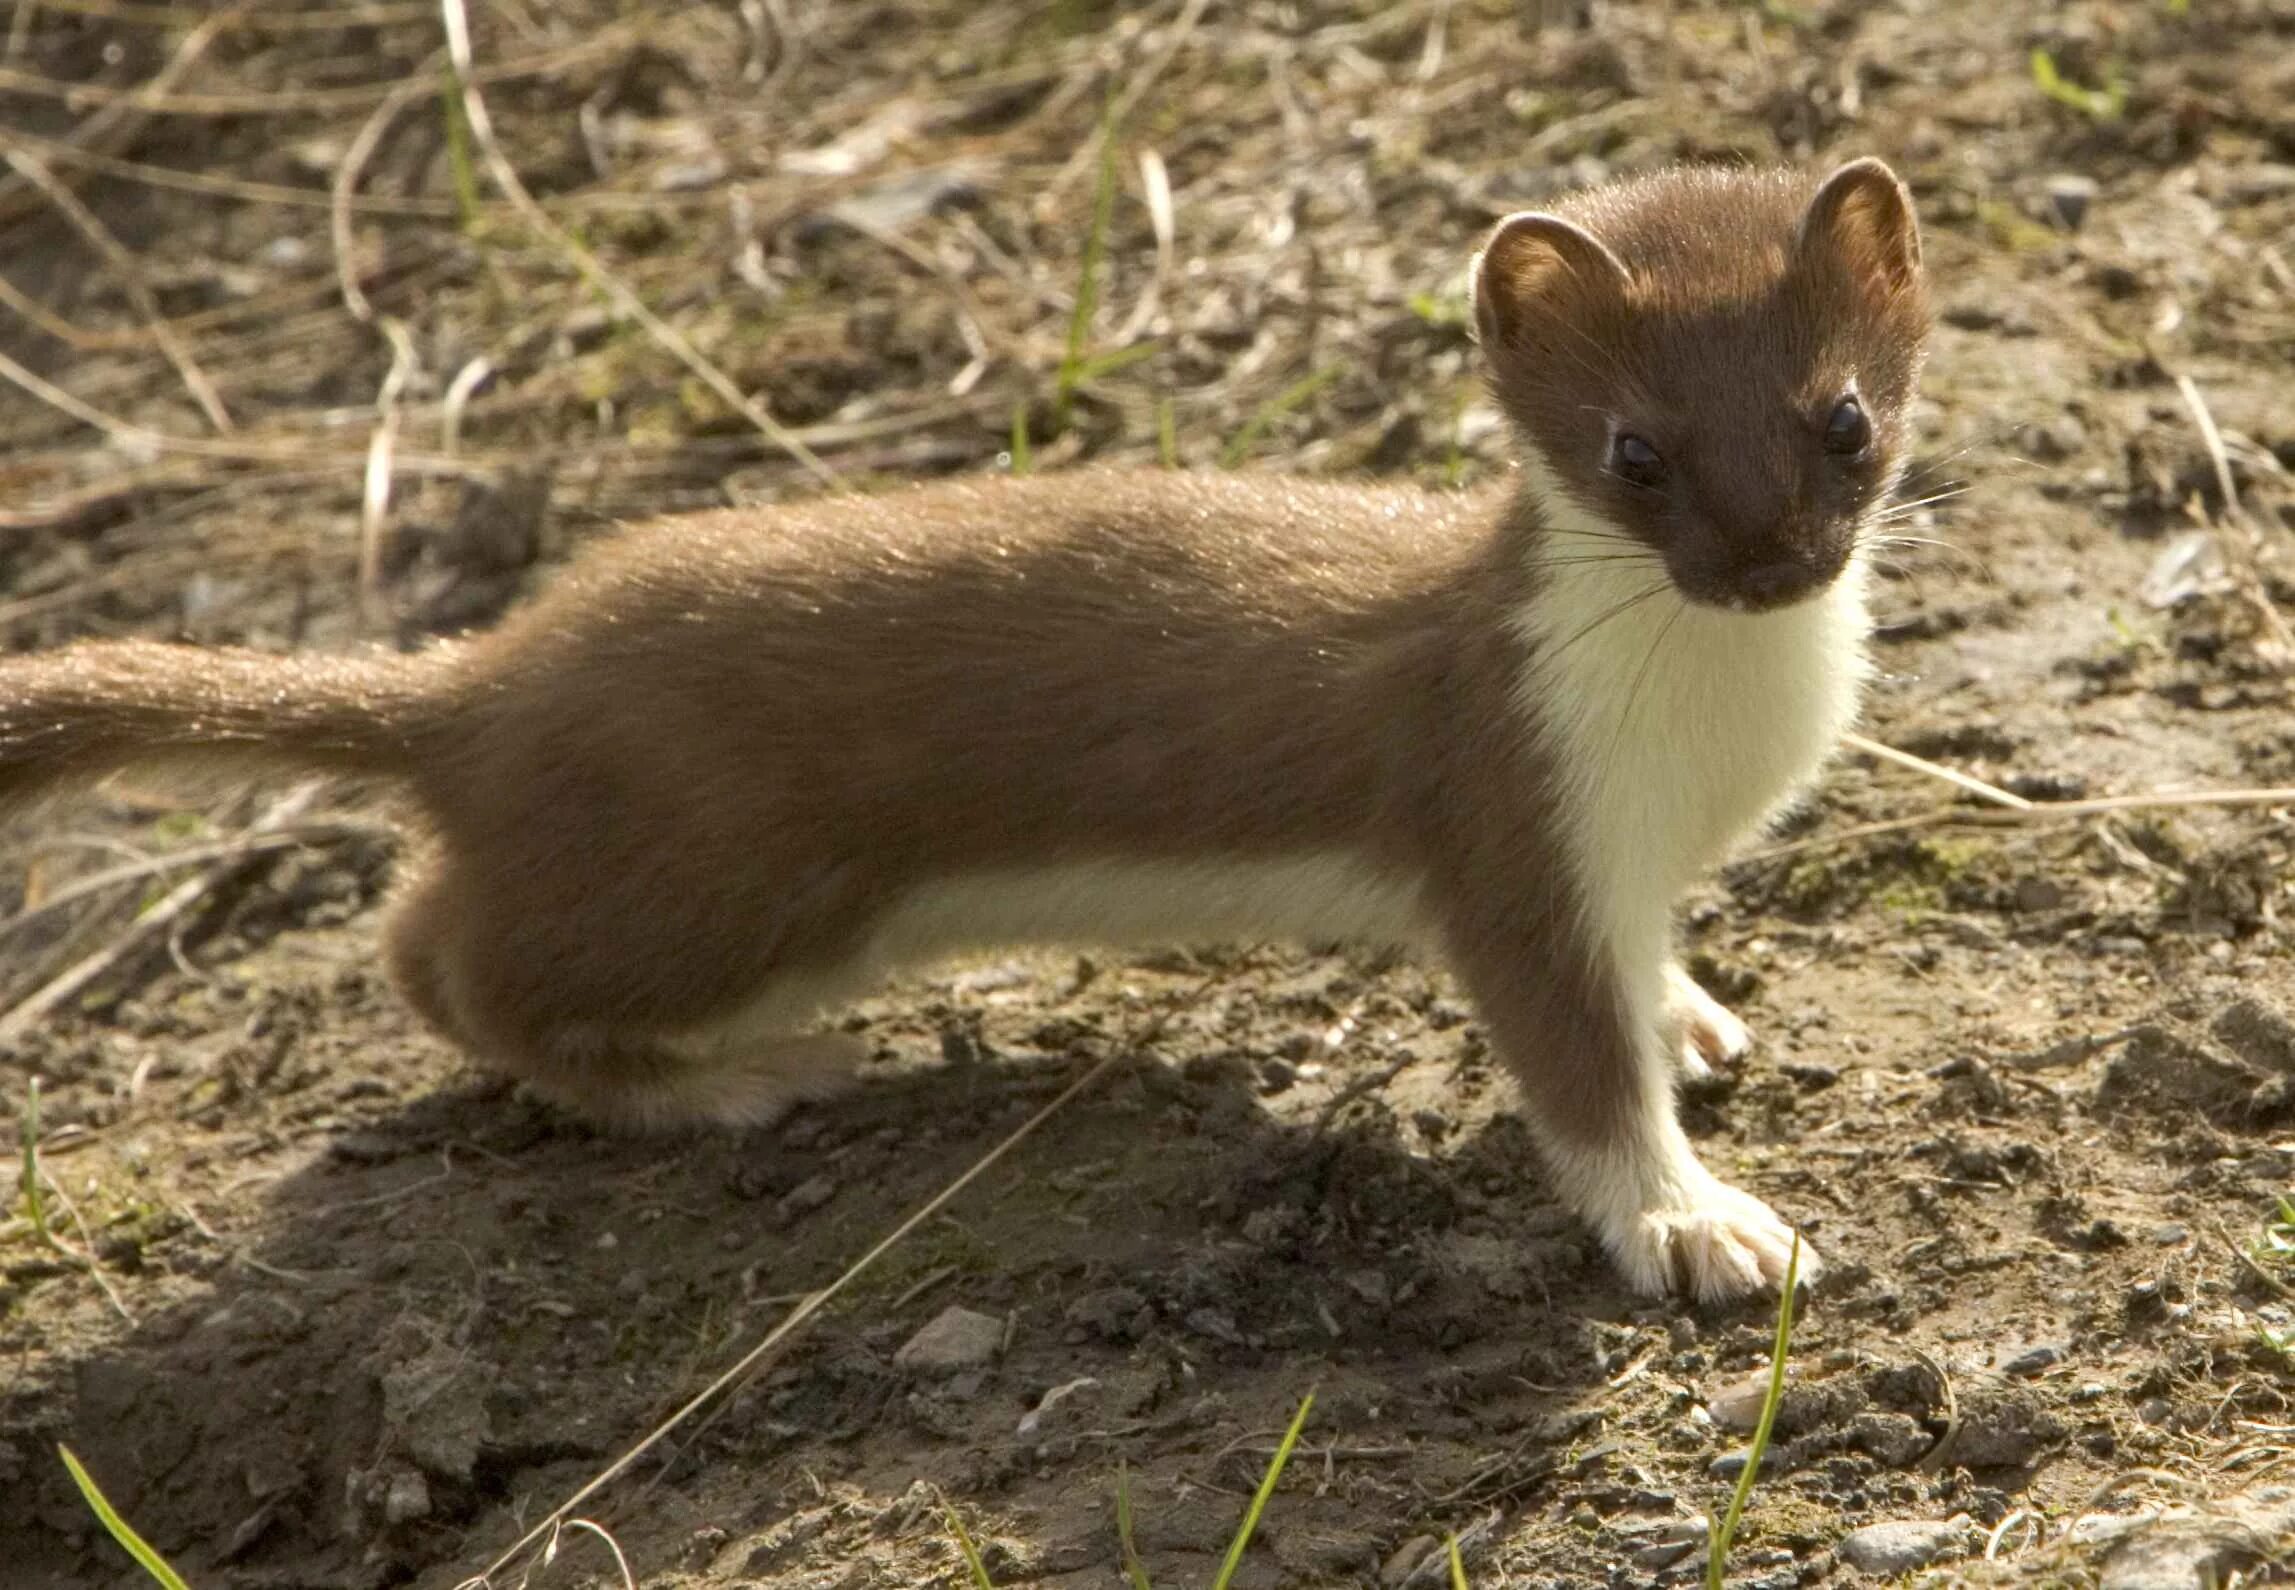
<point x="1538" y="267"/>
<point x="1861" y="219"/>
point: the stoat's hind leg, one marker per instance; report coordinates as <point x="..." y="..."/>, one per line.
<point x="585" y="1006"/>
<point x="634" y="1082"/>
<point x="1707" y="1033"/>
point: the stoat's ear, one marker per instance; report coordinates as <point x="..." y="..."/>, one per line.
<point x="1861" y="220"/>
<point x="1535" y="266"/>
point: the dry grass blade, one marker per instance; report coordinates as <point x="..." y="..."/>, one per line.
<point x="2034" y="812"/>
<point x="34" y="1184"/>
<point x="592" y="269"/>
<point x="2219" y="458"/>
<point x="113" y="125"/>
<point x="1155" y="187"/>
<point x="1935" y="770"/>
<point x="343" y="193"/>
<point x="2212" y="439"/>
<point x="243" y="847"/>
<point x="621" y="1563"/>
<point x="385" y="13"/>
<point x="1182" y="28"/>
<point x="798" y="1316"/>
<point x="155" y="99"/>
<point x="74" y="979"/>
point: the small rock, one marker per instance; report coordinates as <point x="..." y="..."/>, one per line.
<point x="1904" y="1545"/>
<point x="1805" y="1405"/>
<point x="407" y="1499"/>
<point x="1730" y="1464"/>
<point x="2033" y="1361"/>
<point x="1215" y="1324"/>
<point x="957" y="1339"/>
<point x="1659" y="1543"/>
<point x="1737" y="1406"/>
<point x="1405" y="1559"/>
<point x="2258" y="1034"/>
<point x="1113" y="1313"/>
<point x="2053" y="440"/>
<point x="805" y="1197"/>
<point x="2257" y="183"/>
<point x="2038" y="894"/>
<point x="2069" y="196"/>
<point x="1893" y="1440"/>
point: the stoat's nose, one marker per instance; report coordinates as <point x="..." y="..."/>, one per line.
<point x="1775" y="584"/>
<point x="1760" y="587"/>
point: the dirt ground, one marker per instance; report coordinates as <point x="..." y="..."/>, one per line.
<point x="356" y="1316"/>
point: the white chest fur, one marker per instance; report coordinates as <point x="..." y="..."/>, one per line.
<point x="1678" y="728"/>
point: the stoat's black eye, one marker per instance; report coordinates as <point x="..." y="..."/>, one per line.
<point x="1848" y="431"/>
<point x="1636" y="460"/>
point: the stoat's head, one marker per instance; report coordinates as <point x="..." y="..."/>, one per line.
<point x="1717" y="364"/>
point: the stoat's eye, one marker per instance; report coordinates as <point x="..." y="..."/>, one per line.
<point x="1848" y="432"/>
<point x="1635" y="460"/>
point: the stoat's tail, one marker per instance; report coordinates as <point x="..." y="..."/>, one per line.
<point x="71" y="716"/>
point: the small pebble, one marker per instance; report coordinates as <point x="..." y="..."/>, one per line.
<point x="1737" y="1406"/>
<point x="2033" y="1361"/>
<point x="957" y="1339"/>
<point x="1904" y="1545"/>
<point x="407" y="1499"/>
<point x="2069" y="196"/>
<point x="1405" y="1559"/>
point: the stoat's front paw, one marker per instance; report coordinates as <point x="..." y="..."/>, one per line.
<point x="1714" y="1243"/>
<point x="1709" y="1034"/>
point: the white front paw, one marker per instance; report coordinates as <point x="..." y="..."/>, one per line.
<point x="1713" y="1242"/>
<point x="1709" y="1033"/>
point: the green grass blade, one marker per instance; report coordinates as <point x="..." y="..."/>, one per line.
<point x="1022" y="460"/>
<point x="464" y="169"/>
<point x="1134" y="1569"/>
<point x="1259" y="1498"/>
<point x="35" y="1204"/>
<point x="1718" y="1556"/>
<point x="118" y="1528"/>
<point x="1166" y="434"/>
<point x="1269" y="412"/>
<point x="1097" y="365"/>
<point x="1073" y="363"/>
<point x="972" y="1562"/>
<point x="1457" y="1567"/>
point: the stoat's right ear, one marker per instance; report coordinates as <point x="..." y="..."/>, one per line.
<point x="1861" y="219"/>
<point x="1534" y="266"/>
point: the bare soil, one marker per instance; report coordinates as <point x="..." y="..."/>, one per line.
<point x="356" y="1316"/>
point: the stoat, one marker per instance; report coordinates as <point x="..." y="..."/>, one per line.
<point x="733" y="768"/>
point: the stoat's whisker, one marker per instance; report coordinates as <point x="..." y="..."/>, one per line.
<point x="1616" y="611"/>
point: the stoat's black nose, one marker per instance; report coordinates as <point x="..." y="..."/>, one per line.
<point x="1778" y="584"/>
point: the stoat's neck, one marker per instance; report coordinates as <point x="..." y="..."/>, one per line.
<point x="1676" y="729"/>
